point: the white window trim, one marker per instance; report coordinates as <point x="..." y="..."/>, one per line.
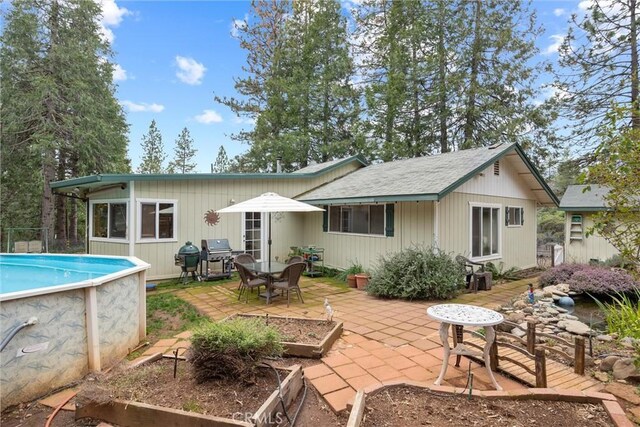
<point x="516" y="225"/>
<point x="485" y="205"/>
<point x="342" y="233"/>
<point x="109" y="239"/>
<point x="139" y="238"/>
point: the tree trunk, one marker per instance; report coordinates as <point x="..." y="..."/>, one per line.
<point x="442" y="85"/>
<point x="48" y="174"/>
<point x="73" y="206"/>
<point x="469" y="125"/>
<point x="60" y="203"/>
<point x="633" y="36"/>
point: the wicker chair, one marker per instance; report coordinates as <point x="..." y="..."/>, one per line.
<point x="289" y="281"/>
<point x="294" y="259"/>
<point x="245" y="259"/>
<point x="248" y="281"/>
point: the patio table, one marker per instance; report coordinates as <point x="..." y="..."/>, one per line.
<point x="266" y="269"/>
<point x="465" y="315"/>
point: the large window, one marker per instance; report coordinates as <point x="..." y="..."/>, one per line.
<point x="157" y="220"/>
<point x="358" y="219"/>
<point x="485" y="231"/>
<point x="109" y="220"/>
<point x="515" y="216"/>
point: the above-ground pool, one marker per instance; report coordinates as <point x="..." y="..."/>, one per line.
<point x="90" y="312"/>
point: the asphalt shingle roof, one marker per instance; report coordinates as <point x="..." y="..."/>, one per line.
<point x="416" y="176"/>
<point x="320" y="166"/>
<point x="577" y="198"/>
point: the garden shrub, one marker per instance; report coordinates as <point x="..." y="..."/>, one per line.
<point x="623" y="314"/>
<point x="232" y="349"/>
<point x="589" y="278"/>
<point x="560" y="274"/>
<point x="417" y="273"/>
<point x="601" y="280"/>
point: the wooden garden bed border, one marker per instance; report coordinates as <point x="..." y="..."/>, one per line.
<point x="313" y="351"/>
<point x="608" y="401"/>
<point x="134" y="414"/>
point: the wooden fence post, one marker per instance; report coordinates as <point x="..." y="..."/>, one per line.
<point x="578" y="364"/>
<point x="531" y="336"/>
<point x="493" y="356"/>
<point x="541" y="368"/>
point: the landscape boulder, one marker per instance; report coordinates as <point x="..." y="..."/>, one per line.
<point x="625" y="369"/>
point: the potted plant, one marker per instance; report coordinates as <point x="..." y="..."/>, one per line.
<point x="362" y="280"/>
<point x="349" y="275"/>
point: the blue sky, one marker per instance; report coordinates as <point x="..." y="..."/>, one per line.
<point x="172" y="57"/>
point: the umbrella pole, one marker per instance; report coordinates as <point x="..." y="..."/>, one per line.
<point x="269" y="241"/>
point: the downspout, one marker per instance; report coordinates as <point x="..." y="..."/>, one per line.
<point x="132" y="219"/>
<point x="436" y="224"/>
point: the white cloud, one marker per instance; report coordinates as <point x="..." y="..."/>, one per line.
<point x="119" y="73"/>
<point x="559" y="11"/>
<point x="555" y="46"/>
<point x="112" y="16"/>
<point x="237" y="25"/>
<point x="244" y="120"/>
<point x="208" y="117"/>
<point x="142" y="107"/>
<point x="190" y="71"/>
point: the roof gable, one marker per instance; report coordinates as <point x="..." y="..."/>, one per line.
<point x="421" y="178"/>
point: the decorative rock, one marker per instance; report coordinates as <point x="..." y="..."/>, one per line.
<point x="624" y="368"/>
<point x="627" y="342"/>
<point x="601" y="376"/>
<point x="607" y="363"/>
<point x="547" y="300"/>
<point x="552" y="310"/>
<point x="566" y="301"/>
<point x="624" y="392"/>
<point x="563" y="287"/>
<point x="606" y="338"/>
<point x="518" y="332"/>
<point x="556" y="298"/>
<point x="561" y="310"/>
<point x="565" y="335"/>
<point x="520" y="304"/>
<point x="527" y="310"/>
<point x="515" y="317"/>
<point x="574" y="327"/>
<point x="559" y="293"/>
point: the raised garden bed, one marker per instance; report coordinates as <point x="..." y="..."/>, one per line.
<point x="304" y="337"/>
<point x="410" y="404"/>
<point x="150" y="396"/>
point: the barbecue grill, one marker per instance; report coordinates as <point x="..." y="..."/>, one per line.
<point x="188" y="258"/>
<point x="215" y="250"/>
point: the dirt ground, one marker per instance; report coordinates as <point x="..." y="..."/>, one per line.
<point x="408" y="406"/>
<point x="301" y="330"/>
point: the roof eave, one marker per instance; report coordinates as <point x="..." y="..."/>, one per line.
<point x="372" y="199"/>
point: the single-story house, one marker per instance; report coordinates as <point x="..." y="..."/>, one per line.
<point x="479" y="202"/>
<point x="580" y="203"/>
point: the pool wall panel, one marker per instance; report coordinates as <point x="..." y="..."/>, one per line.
<point x="61" y="324"/>
<point x="118" y="304"/>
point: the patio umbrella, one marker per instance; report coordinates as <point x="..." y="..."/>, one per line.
<point x="270" y="202"/>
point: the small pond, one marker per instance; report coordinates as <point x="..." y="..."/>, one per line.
<point x="587" y="311"/>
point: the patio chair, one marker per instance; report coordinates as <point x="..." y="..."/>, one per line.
<point x="248" y="281"/>
<point x="471" y="275"/>
<point x="295" y="258"/>
<point x="245" y="259"/>
<point x="289" y="281"/>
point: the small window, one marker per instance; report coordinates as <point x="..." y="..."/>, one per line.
<point x="515" y="216"/>
<point x="357" y="219"/>
<point x="157" y="220"/>
<point x="109" y="220"/>
<point x="496" y="168"/>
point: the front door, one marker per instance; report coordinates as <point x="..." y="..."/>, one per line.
<point x="252" y="234"/>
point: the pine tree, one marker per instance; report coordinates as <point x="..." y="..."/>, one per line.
<point x="599" y="67"/>
<point x="183" y="154"/>
<point x="222" y="163"/>
<point x="59" y="113"/>
<point x="153" y="155"/>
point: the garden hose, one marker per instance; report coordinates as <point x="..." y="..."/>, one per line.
<point x="284" y="407"/>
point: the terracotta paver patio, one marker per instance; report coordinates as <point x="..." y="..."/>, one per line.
<point x="383" y="339"/>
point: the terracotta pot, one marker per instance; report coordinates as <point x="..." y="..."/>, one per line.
<point x="351" y="280"/>
<point x="362" y="280"/>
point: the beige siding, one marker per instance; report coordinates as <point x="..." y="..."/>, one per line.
<point x="413" y="226"/>
<point x="518" y="244"/>
<point x="591" y="247"/>
<point x="507" y="184"/>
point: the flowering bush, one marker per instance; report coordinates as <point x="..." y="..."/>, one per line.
<point x="560" y="274"/>
<point x="599" y="280"/>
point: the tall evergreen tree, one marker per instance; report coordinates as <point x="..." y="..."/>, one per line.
<point x="153" y="155"/>
<point x="222" y="163"/>
<point x="59" y="114"/>
<point x="599" y="67"/>
<point x="183" y="154"/>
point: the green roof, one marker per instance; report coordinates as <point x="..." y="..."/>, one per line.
<point x="423" y="178"/>
<point x="104" y="180"/>
<point x="584" y="198"/>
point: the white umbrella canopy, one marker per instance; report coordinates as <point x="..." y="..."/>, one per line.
<point x="270" y="202"/>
